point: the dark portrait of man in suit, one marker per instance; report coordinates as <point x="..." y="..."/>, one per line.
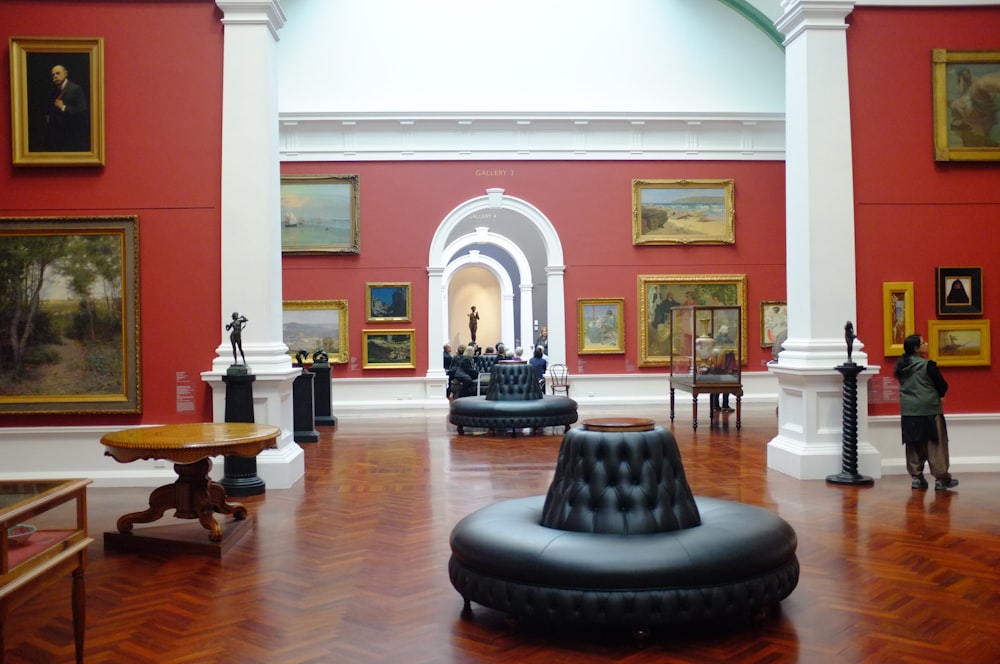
<point x="60" y="103"/>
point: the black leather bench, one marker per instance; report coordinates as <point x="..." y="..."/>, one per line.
<point x="513" y="401"/>
<point x="620" y="539"/>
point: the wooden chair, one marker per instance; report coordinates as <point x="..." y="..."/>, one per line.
<point x="558" y="378"/>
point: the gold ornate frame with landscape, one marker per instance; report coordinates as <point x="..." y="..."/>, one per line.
<point x="388" y="349"/>
<point x="683" y="212"/>
<point x="313" y="325"/>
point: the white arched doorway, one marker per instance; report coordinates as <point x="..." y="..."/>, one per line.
<point x="440" y="254"/>
<point x="474" y="258"/>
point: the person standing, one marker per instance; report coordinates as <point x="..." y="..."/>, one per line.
<point x="921" y="388"/>
<point x="67" y="117"/>
<point x="473" y="323"/>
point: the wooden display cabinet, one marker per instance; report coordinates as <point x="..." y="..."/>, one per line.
<point x="58" y="509"/>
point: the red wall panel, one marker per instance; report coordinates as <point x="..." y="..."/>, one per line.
<point x="588" y="203"/>
<point x="913" y="213"/>
<point x="163" y="113"/>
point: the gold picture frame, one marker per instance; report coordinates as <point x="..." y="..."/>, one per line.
<point x="83" y="354"/>
<point x="53" y="126"/>
<point x="959" y="343"/>
<point x="388" y="301"/>
<point x="313" y="325"/>
<point x="658" y="294"/>
<point x="320" y="214"/>
<point x="965" y="85"/>
<point x="683" y="212"/>
<point x="773" y="319"/>
<point x="600" y="326"/>
<point x="897" y="315"/>
<point x="388" y="349"/>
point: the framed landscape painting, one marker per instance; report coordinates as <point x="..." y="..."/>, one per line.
<point x="70" y="305"/>
<point x="57" y="101"/>
<point x="388" y="302"/>
<point x="658" y="294"/>
<point x="600" y="326"/>
<point x="966" y="85"/>
<point x="960" y="343"/>
<point x="320" y="214"/>
<point x="388" y="349"/>
<point x="682" y="212"/>
<point x="312" y="325"/>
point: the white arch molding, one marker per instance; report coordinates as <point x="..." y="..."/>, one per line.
<point x="437" y="263"/>
<point x="475" y="259"/>
<point x="482" y="235"/>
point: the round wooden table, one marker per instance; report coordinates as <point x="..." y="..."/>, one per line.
<point x="194" y="495"/>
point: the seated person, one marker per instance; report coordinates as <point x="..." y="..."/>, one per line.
<point x="540" y="364"/>
<point x="465" y="372"/>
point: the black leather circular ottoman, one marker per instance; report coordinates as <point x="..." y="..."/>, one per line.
<point x="548" y="411"/>
<point x="633" y="546"/>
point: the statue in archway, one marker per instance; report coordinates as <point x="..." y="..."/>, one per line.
<point x="473" y="323"/>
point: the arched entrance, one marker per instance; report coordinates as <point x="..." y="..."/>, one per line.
<point x="442" y="251"/>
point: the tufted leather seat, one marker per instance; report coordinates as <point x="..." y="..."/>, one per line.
<point x="620" y="539"/>
<point x="513" y="401"/>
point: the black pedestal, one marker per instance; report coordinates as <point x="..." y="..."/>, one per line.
<point x="849" y="457"/>
<point x="303" y="418"/>
<point x="240" y="473"/>
<point x="322" y="393"/>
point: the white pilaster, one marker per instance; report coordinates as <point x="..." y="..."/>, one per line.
<point x="251" y="235"/>
<point x="820" y="260"/>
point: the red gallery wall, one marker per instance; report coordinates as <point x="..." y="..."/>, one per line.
<point x="588" y="203"/>
<point x="163" y="113"/>
<point x="912" y="213"/>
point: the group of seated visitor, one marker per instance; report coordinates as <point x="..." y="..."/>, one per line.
<point x="468" y="370"/>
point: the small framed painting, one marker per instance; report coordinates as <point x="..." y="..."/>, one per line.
<point x="388" y="349"/>
<point x="57" y="101"/>
<point x="600" y="326"/>
<point x="897" y="315"/>
<point x="388" y="302"/>
<point x="959" y="291"/>
<point x="960" y="343"/>
<point x="773" y="320"/>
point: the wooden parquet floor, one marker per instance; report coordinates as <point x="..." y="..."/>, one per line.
<point x="350" y="565"/>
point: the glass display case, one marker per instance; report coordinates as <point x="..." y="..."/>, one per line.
<point x="705" y="344"/>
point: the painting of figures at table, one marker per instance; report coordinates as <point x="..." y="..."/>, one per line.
<point x="312" y="325"/>
<point x="67" y="302"/>
<point x="658" y="294"/>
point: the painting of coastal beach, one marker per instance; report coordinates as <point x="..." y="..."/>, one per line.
<point x="682" y="212"/>
<point x="319" y="214"/>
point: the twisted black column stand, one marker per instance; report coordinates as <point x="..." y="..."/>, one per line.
<point x="849" y="455"/>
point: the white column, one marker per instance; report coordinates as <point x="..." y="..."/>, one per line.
<point x="820" y="260"/>
<point x="527" y="327"/>
<point x="251" y="234"/>
<point x="556" y="311"/>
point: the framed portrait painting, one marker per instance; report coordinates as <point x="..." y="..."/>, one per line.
<point x="965" y="89"/>
<point x="70" y="306"/>
<point x="312" y="325"/>
<point x="682" y="212"/>
<point x="388" y="349"/>
<point x="57" y="101"/>
<point x="773" y="321"/>
<point x="320" y="214"/>
<point x="388" y="302"/>
<point x="658" y="294"/>
<point x="897" y="315"/>
<point x="600" y="326"/>
<point x="959" y="291"/>
<point x="960" y="343"/>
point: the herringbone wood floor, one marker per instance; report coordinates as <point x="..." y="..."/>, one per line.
<point x="350" y="565"/>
